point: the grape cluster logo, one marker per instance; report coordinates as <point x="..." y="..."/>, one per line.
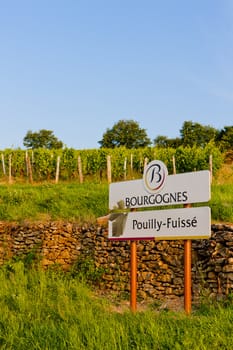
<point x="154" y="176"/>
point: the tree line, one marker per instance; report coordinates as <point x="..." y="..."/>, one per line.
<point x="129" y="134"/>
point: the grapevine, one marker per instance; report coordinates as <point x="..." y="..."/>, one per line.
<point x="126" y="163"/>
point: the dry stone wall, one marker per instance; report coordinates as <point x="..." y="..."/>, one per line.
<point x="160" y="263"/>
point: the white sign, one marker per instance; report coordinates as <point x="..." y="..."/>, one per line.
<point x="184" y="223"/>
<point x="193" y="187"/>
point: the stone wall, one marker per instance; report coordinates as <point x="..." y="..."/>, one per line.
<point x="160" y="263"/>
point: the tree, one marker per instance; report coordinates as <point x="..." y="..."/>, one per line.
<point x="225" y="138"/>
<point x="197" y="134"/>
<point x="164" y="142"/>
<point x="125" y="133"/>
<point x="42" y="139"/>
<point x="161" y="141"/>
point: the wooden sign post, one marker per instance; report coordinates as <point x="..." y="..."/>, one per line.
<point x="157" y="188"/>
<point x="187" y="276"/>
<point x="133" y="276"/>
<point x="187" y="273"/>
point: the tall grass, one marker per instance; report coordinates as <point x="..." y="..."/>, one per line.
<point x="222" y="202"/>
<point x="83" y="202"/>
<point x="52" y="310"/>
<point x="69" y="201"/>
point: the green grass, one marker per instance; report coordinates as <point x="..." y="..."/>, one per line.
<point x="83" y="202"/>
<point x="53" y="310"/>
<point x="73" y="202"/>
<point x="222" y="203"/>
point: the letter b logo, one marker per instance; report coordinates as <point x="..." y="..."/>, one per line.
<point x="154" y="176"/>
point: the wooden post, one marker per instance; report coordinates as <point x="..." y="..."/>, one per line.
<point x="174" y="164"/>
<point x="109" y="169"/>
<point x="187" y="273"/>
<point x="29" y="169"/>
<point x="125" y="167"/>
<point x="131" y="165"/>
<point x="57" y="169"/>
<point x="10" y="175"/>
<point x="26" y="161"/>
<point x="29" y="166"/>
<point x="133" y="275"/>
<point x="80" y="170"/>
<point x="187" y="276"/>
<point x="3" y="165"/>
<point x="211" y="167"/>
<point x="145" y="162"/>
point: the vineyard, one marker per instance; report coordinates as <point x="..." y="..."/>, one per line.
<point x="100" y="165"/>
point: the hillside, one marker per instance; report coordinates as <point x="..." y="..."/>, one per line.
<point x="72" y="201"/>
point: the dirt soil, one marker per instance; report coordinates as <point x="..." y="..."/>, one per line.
<point x="175" y="304"/>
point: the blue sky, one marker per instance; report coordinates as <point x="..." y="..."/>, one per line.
<point x="78" y="67"/>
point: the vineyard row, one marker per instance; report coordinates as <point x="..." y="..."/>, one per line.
<point x="102" y="164"/>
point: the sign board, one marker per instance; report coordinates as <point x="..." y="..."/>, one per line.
<point x="182" y="223"/>
<point x="157" y="188"/>
<point x="193" y="187"/>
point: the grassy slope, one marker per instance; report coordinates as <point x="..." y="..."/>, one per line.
<point x="222" y="195"/>
<point x="73" y="202"/>
<point x="83" y="203"/>
<point x="47" y="310"/>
